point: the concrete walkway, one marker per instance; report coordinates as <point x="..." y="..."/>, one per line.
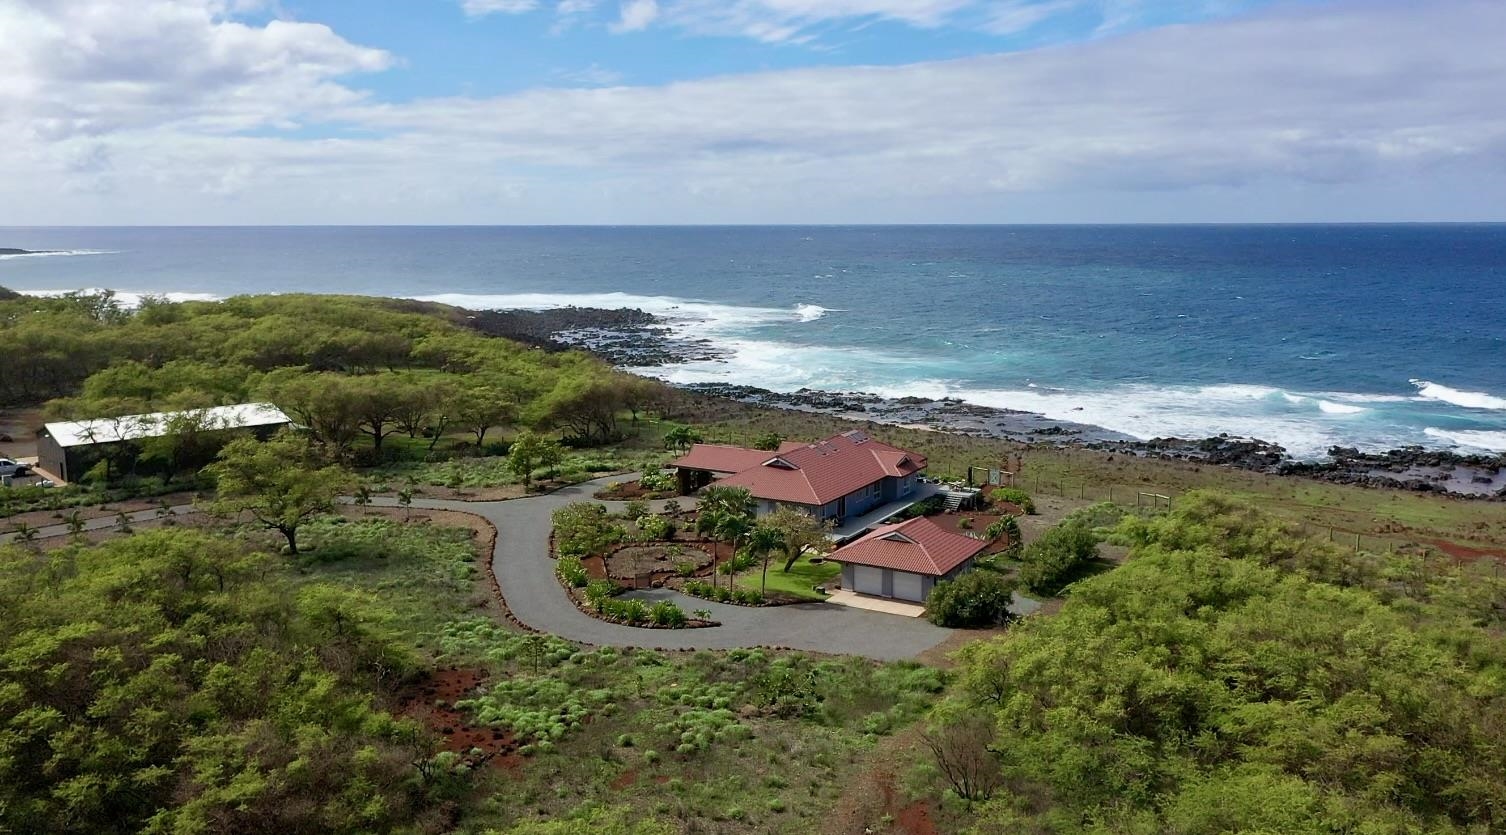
<point x="526" y="574"/>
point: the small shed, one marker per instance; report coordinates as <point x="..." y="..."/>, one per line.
<point x="67" y="449"/>
<point x="906" y="560"/>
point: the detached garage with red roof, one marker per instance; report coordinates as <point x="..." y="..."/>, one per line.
<point x="904" y="561"/>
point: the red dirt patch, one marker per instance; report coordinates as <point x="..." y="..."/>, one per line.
<point x="433" y="703"/>
<point x="912" y="819"/>
<point x="1466" y="553"/>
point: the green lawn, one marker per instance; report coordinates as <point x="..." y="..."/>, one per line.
<point x="797" y="582"/>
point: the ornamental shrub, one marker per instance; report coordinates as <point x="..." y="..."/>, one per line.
<point x="1017" y="497"/>
<point x="977" y="598"/>
<point x="656" y="527"/>
<point x="1053" y="560"/>
<point x="584" y="528"/>
<point x="572" y="572"/>
<point x="748" y="597"/>
<point x="1008" y="527"/>
<point x="599" y="593"/>
<point x="657" y="482"/>
<point x="665" y="613"/>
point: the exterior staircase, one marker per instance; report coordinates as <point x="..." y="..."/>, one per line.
<point x="955" y="499"/>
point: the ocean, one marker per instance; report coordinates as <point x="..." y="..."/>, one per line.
<point x="1374" y="336"/>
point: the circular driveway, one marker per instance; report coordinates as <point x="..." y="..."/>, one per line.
<point x="525" y="573"/>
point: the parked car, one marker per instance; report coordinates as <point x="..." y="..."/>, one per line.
<point x="13" y="468"/>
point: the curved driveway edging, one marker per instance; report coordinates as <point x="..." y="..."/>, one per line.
<point x="524" y="571"/>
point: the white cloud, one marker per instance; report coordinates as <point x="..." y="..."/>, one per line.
<point x="775" y="21"/>
<point x="594" y="75"/>
<point x="481" y="8"/>
<point x="92" y="67"/>
<point x="1362" y="109"/>
<point x="1011" y="17"/>
<point x="636" y="15"/>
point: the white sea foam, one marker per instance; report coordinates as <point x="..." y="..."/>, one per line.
<point x="1332" y="408"/>
<point x="703" y="315"/>
<point x="57" y="253"/>
<point x="1467" y="399"/>
<point x="1472" y="438"/>
<point x="128" y="298"/>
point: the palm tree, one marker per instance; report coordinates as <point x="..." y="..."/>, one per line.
<point x="25" y="534"/>
<point x="732" y="528"/>
<point x="75" y="522"/>
<point x="732" y="501"/>
<point x="764" y="541"/>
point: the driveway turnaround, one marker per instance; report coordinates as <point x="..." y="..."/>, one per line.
<point x="525" y="572"/>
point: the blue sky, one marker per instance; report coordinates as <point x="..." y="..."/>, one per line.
<point x="751" y="111"/>
<point x="446" y="50"/>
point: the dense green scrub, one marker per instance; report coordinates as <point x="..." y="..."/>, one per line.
<point x="1235" y="677"/>
<point x="354" y="371"/>
<point x="175" y="681"/>
<point x="183" y="681"/>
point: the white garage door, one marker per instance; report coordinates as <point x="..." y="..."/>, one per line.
<point x="908" y="586"/>
<point x="869" y="580"/>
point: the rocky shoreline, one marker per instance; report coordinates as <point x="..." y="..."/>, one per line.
<point x="634" y="339"/>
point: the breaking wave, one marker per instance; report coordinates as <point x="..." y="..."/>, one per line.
<point x="56" y="253"/>
<point x="1473" y="439"/>
<point x="1466" y="399"/>
<point x="128" y="298"/>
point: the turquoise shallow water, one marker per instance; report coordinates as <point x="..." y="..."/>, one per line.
<point x="1375" y="336"/>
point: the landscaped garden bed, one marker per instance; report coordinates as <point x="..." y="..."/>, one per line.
<point x="655" y="562"/>
<point x="598" y="598"/>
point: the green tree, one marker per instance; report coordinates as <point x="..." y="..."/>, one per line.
<point x="480" y="407"/>
<point x="277" y="482"/>
<point x="732" y="528"/>
<point x="1057" y="556"/>
<point x="799" y="531"/>
<point x="529" y="452"/>
<point x="768" y="441"/>
<point x="681" y="437"/>
<point x="763" y="541"/>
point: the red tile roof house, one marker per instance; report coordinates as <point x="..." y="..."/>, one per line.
<point x="904" y="561"/>
<point x="839" y="478"/>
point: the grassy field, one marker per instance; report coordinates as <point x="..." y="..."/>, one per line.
<point x="708" y="742"/>
<point x="733" y="742"/>
<point x="799" y="581"/>
<point x="1382" y="518"/>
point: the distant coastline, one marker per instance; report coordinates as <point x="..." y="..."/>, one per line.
<point x="640" y="342"/>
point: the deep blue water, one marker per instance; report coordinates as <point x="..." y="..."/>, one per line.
<point x="1306" y="335"/>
